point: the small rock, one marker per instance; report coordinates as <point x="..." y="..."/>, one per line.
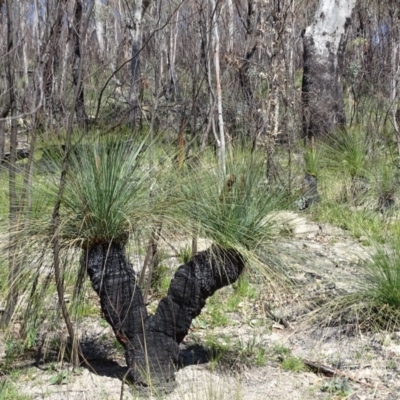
<point x="302" y="228"/>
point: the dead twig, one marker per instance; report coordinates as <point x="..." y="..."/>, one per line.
<point x="279" y="320"/>
<point x="332" y="372"/>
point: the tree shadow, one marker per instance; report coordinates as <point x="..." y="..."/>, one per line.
<point x="99" y="358"/>
<point x="193" y="354"/>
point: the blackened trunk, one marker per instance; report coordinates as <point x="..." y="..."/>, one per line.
<point x="113" y="279"/>
<point x="192" y="284"/>
<point x="151" y="343"/>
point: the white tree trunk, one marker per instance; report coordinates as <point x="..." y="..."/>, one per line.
<point x="324" y="42"/>
<point x="231" y="24"/>
<point x="99" y="22"/>
<point x="136" y="35"/>
<point x="221" y="148"/>
<point x="395" y="76"/>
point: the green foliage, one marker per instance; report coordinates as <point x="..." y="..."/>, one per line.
<point x="243" y="290"/>
<point x="347" y="152"/>
<point x="293" y="364"/>
<point x="392" y="365"/>
<point x="161" y="279"/>
<point x="215" y="314"/>
<point x="288" y="361"/>
<point x="312" y="161"/>
<point x="185" y="254"/>
<point x="59" y="378"/>
<point x="227" y="353"/>
<point x="338" y="386"/>
<point x="281" y="350"/>
<point x="360" y="222"/>
<point x="217" y="350"/>
<point x="387" y="178"/>
<point x="374" y="305"/>
<point x="107" y="192"/>
<point x="384" y="176"/>
<point x="231" y="209"/>
<point x="9" y="391"/>
<point x="13" y="350"/>
<point x="235" y="210"/>
<point x="382" y="278"/>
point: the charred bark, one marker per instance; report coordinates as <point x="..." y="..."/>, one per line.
<point x="192" y="284"/>
<point x="151" y="343"/>
<point x="113" y="279"/>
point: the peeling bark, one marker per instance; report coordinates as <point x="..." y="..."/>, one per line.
<point x="151" y="343"/>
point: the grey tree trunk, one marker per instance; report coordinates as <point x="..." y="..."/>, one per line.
<point x="136" y="35"/>
<point x="50" y="48"/>
<point x="76" y="34"/>
<point x="322" y="92"/>
<point x="12" y="297"/>
<point x="151" y="343"/>
<point x="174" y="88"/>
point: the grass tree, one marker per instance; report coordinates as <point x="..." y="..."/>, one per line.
<point x="106" y="201"/>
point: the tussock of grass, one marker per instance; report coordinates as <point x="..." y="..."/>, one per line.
<point x="375" y="305"/>
<point x="312" y="160"/>
<point x="346" y="152"/>
<point x="238" y="211"/>
<point x="292" y="364"/>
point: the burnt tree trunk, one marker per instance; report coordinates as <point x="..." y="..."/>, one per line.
<point x="322" y="92"/>
<point x="151" y="343"/>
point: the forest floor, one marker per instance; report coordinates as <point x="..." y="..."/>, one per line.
<point x="240" y="352"/>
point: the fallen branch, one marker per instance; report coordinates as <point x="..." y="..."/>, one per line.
<point x="279" y="320"/>
<point x="326" y="370"/>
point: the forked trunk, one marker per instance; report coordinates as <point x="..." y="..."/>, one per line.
<point x="151" y="343"/>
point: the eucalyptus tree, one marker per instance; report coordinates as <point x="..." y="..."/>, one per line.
<point x="322" y="92"/>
